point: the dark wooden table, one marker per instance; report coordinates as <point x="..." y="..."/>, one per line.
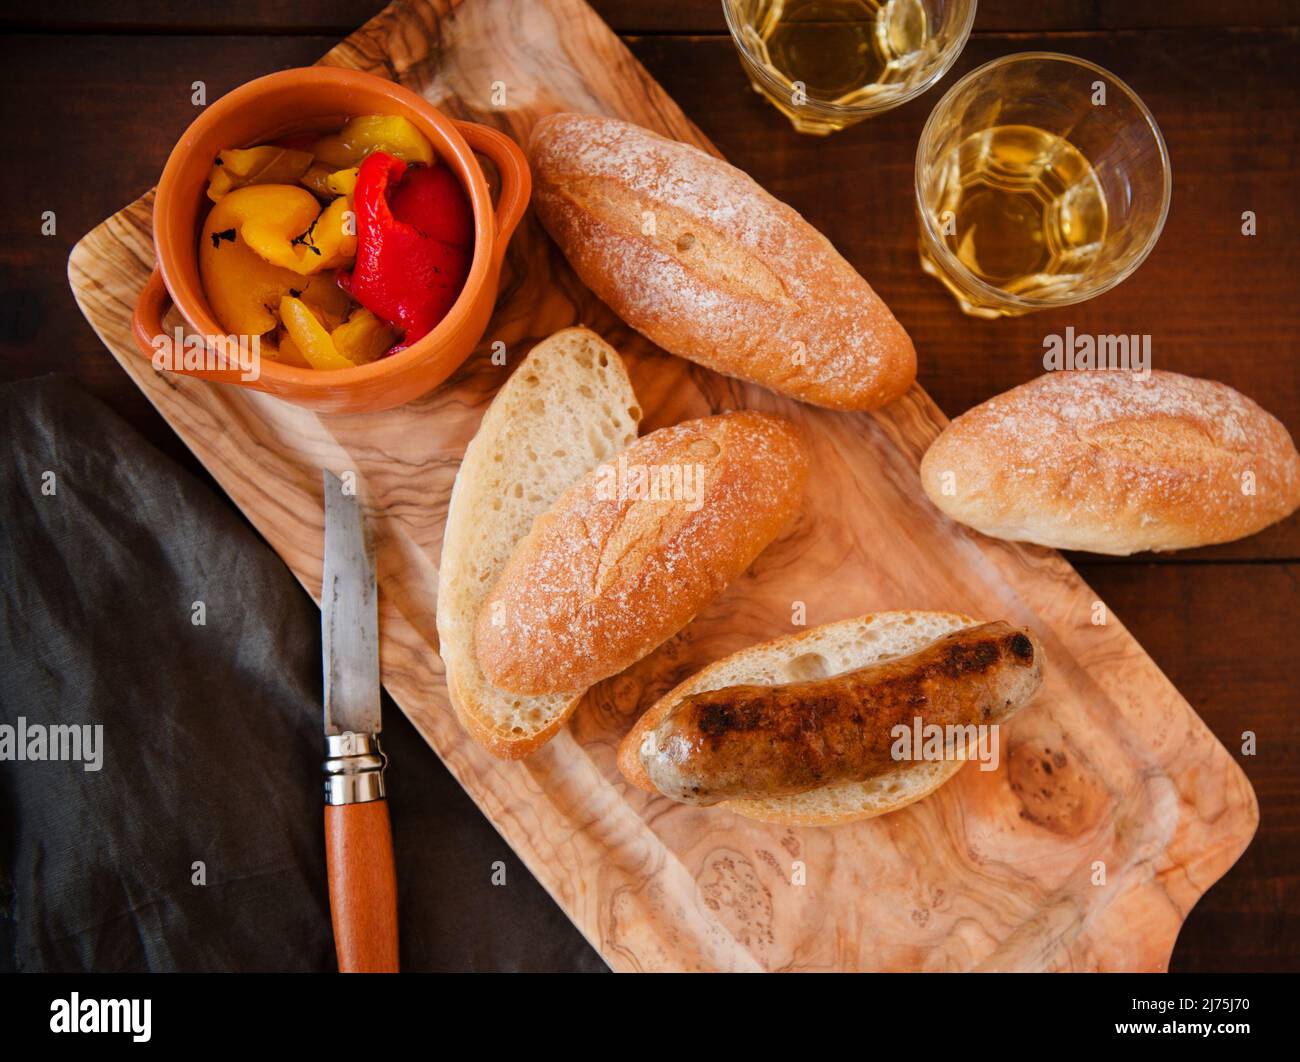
<point x="95" y="95"/>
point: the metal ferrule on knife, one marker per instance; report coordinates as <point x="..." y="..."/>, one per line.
<point x="354" y="768"/>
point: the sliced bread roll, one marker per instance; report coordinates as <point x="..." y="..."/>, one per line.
<point x="830" y="649"/>
<point x="567" y="408"/>
<point x="1110" y="463"/>
<point x="630" y="553"/>
<point x="695" y="255"/>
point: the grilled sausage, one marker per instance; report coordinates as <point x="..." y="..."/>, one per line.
<point x="760" y="741"/>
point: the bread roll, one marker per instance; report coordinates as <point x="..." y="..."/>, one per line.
<point x="830" y="649"/>
<point x="693" y="254"/>
<point x="566" y="408"/>
<point x="633" y="551"/>
<point x="1110" y="463"/>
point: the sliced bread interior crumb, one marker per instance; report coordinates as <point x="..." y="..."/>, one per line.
<point x="566" y="409"/>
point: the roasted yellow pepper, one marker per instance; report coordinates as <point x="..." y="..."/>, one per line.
<point x="327" y="182"/>
<point x="243" y="288"/>
<point x="342" y="182"/>
<point x="373" y="132"/>
<point x="317" y="179"/>
<point x="260" y="165"/>
<point x="287" y="353"/>
<point x="309" y="336"/>
<point x="328" y="241"/>
<point x="327" y="300"/>
<point x="363" y="337"/>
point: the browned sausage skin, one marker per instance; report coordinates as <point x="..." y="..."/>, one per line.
<point x="761" y="741"/>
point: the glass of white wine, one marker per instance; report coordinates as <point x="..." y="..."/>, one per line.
<point x="826" y="64"/>
<point x="1041" y="180"/>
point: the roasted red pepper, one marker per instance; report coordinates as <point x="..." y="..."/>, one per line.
<point x="431" y="199"/>
<point x="414" y="244"/>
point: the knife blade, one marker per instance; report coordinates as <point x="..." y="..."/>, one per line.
<point x="349" y="618"/>
<point x="358" y="836"/>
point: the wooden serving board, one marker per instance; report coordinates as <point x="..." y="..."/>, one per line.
<point x="1114" y="808"/>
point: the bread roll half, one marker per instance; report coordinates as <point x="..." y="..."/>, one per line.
<point x="1108" y="462"/>
<point x="566" y="408"/>
<point x="697" y="257"/>
<point x="830" y="649"/>
<point x="634" y="550"/>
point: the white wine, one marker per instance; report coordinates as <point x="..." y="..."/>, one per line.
<point x="1021" y="208"/>
<point x="1041" y="180"/>
<point x="837" y="50"/>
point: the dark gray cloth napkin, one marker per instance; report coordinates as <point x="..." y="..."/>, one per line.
<point x="211" y="736"/>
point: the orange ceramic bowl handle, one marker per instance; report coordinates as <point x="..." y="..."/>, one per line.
<point x="147" y="327"/>
<point x="516" y="177"/>
<point x="146" y="322"/>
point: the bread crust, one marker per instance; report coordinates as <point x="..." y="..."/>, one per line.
<point x="612" y="571"/>
<point x="928" y="778"/>
<point x="502" y="746"/>
<point x="697" y="257"/>
<point x="1106" y="462"/>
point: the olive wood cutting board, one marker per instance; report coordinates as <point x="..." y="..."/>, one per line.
<point x="1113" y="810"/>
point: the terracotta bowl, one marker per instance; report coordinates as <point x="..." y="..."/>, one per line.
<point x="320" y="99"/>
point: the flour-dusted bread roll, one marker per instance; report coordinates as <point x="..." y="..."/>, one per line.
<point x="567" y="408"/>
<point x="694" y="255"/>
<point x="635" y="549"/>
<point x="1108" y="462"/>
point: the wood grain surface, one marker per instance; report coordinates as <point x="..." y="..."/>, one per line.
<point x="363" y="886"/>
<point x="1111" y="768"/>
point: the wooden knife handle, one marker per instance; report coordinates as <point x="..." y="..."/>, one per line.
<point x="363" y="886"/>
